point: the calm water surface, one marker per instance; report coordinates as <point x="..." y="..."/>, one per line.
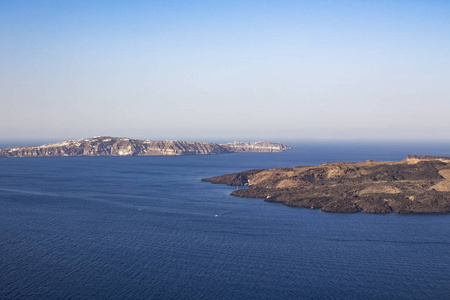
<point x="145" y="227"/>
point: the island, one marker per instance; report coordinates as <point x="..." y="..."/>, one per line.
<point x="418" y="184"/>
<point x="114" y="146"/>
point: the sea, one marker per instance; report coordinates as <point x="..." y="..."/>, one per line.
<point x="149" y="228"/>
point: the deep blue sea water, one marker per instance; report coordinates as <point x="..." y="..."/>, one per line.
<point x="145" y="228"/>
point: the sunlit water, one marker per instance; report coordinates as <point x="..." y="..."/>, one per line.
<point x="147" y="227"/>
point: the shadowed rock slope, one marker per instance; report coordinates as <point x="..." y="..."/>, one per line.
<point x="113" y="146"/>
<point x="415" y="185"/>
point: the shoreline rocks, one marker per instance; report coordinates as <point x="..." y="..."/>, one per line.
<point x="419" y="185"/>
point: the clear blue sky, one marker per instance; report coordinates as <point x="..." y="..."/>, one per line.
<point x="225" y="69"/>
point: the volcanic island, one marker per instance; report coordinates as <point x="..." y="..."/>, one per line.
<point x="121" y="146"/>
<point x="418" y="184"/>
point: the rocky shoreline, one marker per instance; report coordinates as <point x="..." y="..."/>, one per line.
<point x="113" y="146"/>
<point x="418" y="184"/>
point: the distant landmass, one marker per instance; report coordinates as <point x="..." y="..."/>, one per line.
<point x="114" y="146"/>
<point x="418" y="184"/>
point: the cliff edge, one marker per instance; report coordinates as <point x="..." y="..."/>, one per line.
<point x="113" y="146"/>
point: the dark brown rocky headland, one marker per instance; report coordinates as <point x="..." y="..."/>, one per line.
<point x="113" y="146"/>
<point x="419" y="184"/>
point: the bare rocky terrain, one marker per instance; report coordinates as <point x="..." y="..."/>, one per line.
<point x="113" y="146"/>
<point x="418" y="184"/>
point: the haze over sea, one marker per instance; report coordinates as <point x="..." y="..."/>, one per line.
<point x="146" y="228"/>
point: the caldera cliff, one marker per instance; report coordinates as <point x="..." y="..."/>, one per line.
<point x="113" y="146"/>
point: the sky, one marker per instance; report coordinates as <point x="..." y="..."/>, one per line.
<point x="237" y="70"/>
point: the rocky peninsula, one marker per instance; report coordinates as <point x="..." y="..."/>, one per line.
<point x="114" y="146"/>
<point x="418" y="184"/>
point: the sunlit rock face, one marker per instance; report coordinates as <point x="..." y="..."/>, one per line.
<point x="262" y="146"/>
<point x="113" y="146"/>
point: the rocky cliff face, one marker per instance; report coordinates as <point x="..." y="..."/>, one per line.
<point x="111" y="146"/>
<point x="409" y="186"/>
<point x="263" y="146"/>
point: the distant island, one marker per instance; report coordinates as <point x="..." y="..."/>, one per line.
<point x="418" y="184"/>
<point x="114" y="146"/>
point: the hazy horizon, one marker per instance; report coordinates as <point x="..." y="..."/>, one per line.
<point x="225" y="70"/>
<point x="290" y="142"/>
